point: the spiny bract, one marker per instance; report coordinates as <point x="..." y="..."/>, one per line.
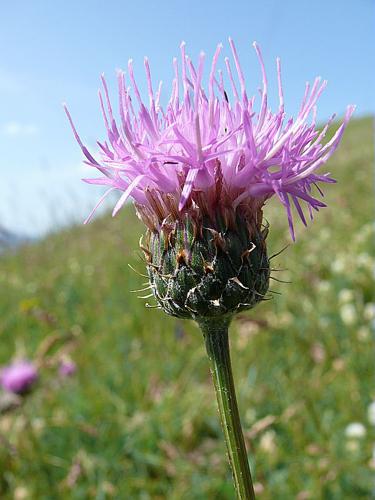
<point x="206" y="269"/>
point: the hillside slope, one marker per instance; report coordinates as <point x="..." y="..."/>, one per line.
<point x="138" y="419"/>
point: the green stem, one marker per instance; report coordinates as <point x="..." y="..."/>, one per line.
<point x="217" y="344"/>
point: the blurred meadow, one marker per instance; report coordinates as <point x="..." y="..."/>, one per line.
<point x="138" y="419"/>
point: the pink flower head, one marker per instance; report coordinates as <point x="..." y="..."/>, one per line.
<point x="19" y="376"/>
<point x="67" y="368"/>
<point x="170" y="159"/>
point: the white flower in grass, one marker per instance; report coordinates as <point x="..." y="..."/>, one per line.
<point x="355" y="430"/>
<point x="346" y="295"/>
<point x="369" y="311"/>
<point x="371" y="413"/>
<point x="338" y="265"/>
<point x="348" y="314"/>
<point x="363" y="334"/>
<point x="267" y="442"/>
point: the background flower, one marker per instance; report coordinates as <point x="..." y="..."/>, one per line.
<point x="18" y="376"/>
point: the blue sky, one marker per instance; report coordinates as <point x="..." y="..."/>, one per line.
<point x="55" y="51"/>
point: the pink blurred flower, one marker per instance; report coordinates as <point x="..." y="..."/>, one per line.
<point x="19" y="376"/>
<point x="67" y="368"/>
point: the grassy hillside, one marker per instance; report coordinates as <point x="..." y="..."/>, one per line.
<point x="139" y="419"/>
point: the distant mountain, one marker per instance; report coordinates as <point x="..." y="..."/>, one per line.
<point x="10" y="240"/>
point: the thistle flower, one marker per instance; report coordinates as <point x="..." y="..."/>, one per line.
<point x="204" y="153"/>
<point x="19" y="376"/>
<point x="200" y="170"/>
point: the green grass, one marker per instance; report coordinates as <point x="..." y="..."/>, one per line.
<point x="139" y="419"/>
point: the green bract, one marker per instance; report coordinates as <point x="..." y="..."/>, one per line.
<point x="208" y="269"/>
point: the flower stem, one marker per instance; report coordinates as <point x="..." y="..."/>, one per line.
<point x="215" y="333"/>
